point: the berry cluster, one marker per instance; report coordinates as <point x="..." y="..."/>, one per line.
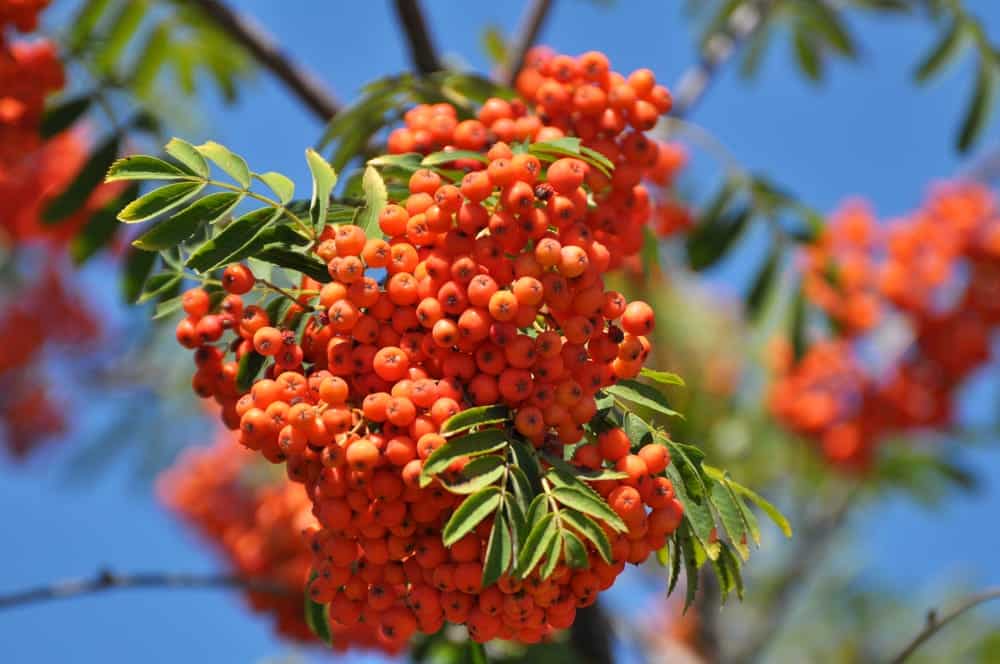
<point x="480" y="292"/>
<point x="580" y="97"/>
<point x="21" y="14"/>
<point x="937" y="270"/>
<point x="257" y="528"/>
<point x="28" y="73"/>
<point x="33" y="319"/>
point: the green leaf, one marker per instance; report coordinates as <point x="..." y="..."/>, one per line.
<point x="63" y="115"/>
<point x="826" y="21"/>
<point x="944" y="51"/>
<point x="470" y="514"/>
<point x="636" y="429"/>
<point x="675" y="563"/>
<point x="145" y="167"/>
<point x="686" y="544"/>
<point x="574" y="550"/>
<point x="280" y="184"/>
<point x="807" y="54"/>
<point x="101" y="227"/>
<point x="138" y="265"/>
<point x="171" y="232"/>
<point x="150" y="59"/>
<point x="249" y="368"/>
<point x="712" y="238"/>
<point x="642" y="395"/>
<point x="82" y="24"/>
<point x="408" y="161"/>
<point x="726" y="507"/>
<point x="499" y="551"/>
<point x="471" y="445"/>
<point x="478" y="473"/>
<point x="687" y="469"/>
<point x="376" y="198"/>
<point x="229" y="243"/>
<point x="282" y="256"/>
<point x="763" y="282"/>
<point x="169" y="307"/>
<point x="541" y="537"/>
<point x="447" y="156"/>
<point x="980" y="105"/>
<point x="480" y="415"/>
<point x="590" y="529"/>
<point x="551" y="558"/>
<point x="159" y="201"/>
<point x="494" y="45"/>
<point x="90" y="175"/>
<point x="663" y="556"/>
<point x="731" y="564"/>
<point x="797" y="320"/>
<point x="773" y="512"/>
<point x="110" y="49"/>
<point x="570" y="146"/>
<point x="662" y="377"/>
<point x="324" y="179"/>
<point x="188" y="155"/>
<point x="230" y="162"/>
<point x="588" y="503"/>
<point x="316" y="617"/>
<point x="157" y="285"/>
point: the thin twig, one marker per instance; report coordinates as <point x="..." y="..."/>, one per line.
<point x="418" y="38"/>
<point x="936" y="623"/>
<point x="106" y="580"/>
<point x="280" y="291"/>
<point x="814" y="543"/>
<point x="527" y="35"/>
<point x="267" y="52"/>
<point x="742" y="23"/>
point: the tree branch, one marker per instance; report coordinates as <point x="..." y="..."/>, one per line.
<point x="266" y="51"/>
<point x="422" y="51"/>
<point x="527" y="35"/>
<point x="935" y="624"/>
<point x="742" y="23"/>
<point x="106" y="580"/>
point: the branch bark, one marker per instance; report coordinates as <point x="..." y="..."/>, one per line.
<point x="418" y="38"/>
<point x="527" y="35"/>
<point x="266" y="51"/>
<point x="106" y="580"/>
<point x="935" y="623"/>
<point x="694" y="82"/>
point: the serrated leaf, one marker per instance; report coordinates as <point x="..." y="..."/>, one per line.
<point x="249" y="368"/>
<point x="470" y="514"/>
<point x="541" y="537"/>
<point x="642" y="395"/>
<point x="675" y="563"/>
<point x="231" y="163"/>
<point x="226" y="246"/>
<point x="168" y="307"/>
<point x="551" y="558"/>
<point x="980" y="105"/>
<point x="494" y="45"/>
<point x="480" y="415"/>
<point x="762" y="283"/>
<point x="446" y="156"/>
<point x="943" y="52"/>
<point x="636" y="429"/>
<point x="101" y="227"/>
<point x="63" y="115"/>
<point x="686" y="543"/>
<point x="145" y="167"/>
<point x="376" y="198"/>
<point x="126" y="22"/>
<point x="473" y="444"/>
<point x="280" y="184"/>
<point x="171" y="232"/>
<point x="188" y="155"/>
<point x="586" y="502"/>
<point x="590" y="529"/>
<point x="150" y="59"/>
<point x="662" y="377"/>
<point x="316" y="616"/>
<point x="726" y="507"/>
<point x="729" y="562"/>
<point x="408" y="161"/>
<point x="83" y="22"/>
<point x="324" y="179"/>
<point x="827" y="22"/>
<point x="697" y="514"/>
<point x="525" y="458"/>
<point x="90" y="175"/>
<point x="687" y="468"/>
<point x="159" y="201"/>
<point x="478" y="473"/>
<point x="773" y="512"/>
<point x="282" y="256"/>
<point x="138" y="265"/>
<point x="711" y="240"/>
<point x="797" y="321"/>
<point x="499" y="551"/>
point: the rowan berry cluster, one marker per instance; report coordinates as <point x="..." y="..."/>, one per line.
<point x="483" y="291"/>
<point x="580" y="97"/>
<point x="936" y="271"/>
<point x="34" y="319"/>
<point x="21" y="14"/>
<point x="256" y="527"/>
<point x="28" y="73"/>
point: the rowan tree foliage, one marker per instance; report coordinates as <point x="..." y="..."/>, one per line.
<point x="465" y="377"/>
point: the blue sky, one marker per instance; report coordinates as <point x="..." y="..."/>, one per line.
<point x="865" y="130"/>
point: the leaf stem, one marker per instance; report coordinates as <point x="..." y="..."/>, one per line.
<point x="308" y="230"/>
<point x="281" y="291"/>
